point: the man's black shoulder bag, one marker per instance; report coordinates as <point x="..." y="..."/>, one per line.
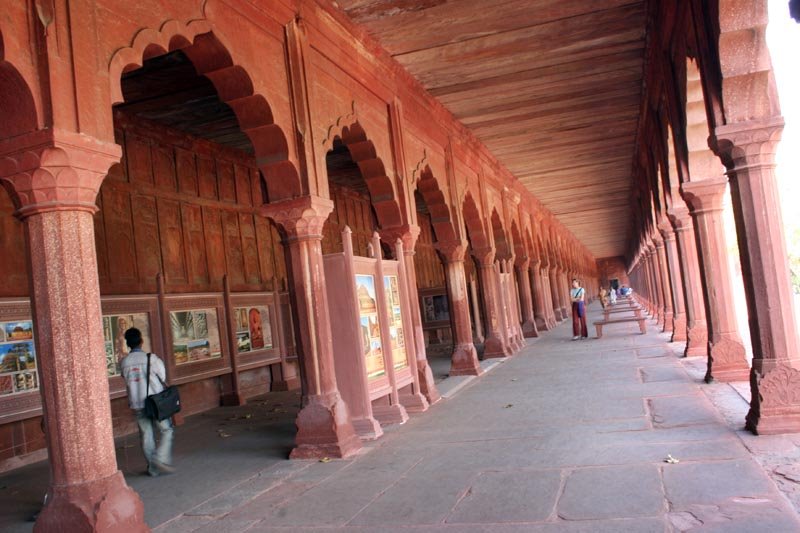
<point x="164" y="404"/>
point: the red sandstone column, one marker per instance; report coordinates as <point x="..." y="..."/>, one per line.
<point x="476" y="312"/>
<point x="657" y="285"/>
<point x="324" y="428"/>
<point x="696" y="325"/>
<point x="555" y="292"/>
<point x="494" y="345"/>
<point x="564" y="297"/>
<point x="749" y="153"/>
<point x="408" y="234"/>
<point x="726" y="358"/>
<point x="547" y="295"/>
<point x="666" y="289"/>
<point x="539" y="312"/>
<point x="464" y="360"/>
<point x="651" y="284"/>
<point x="54" y="177"/>
<point x="526" y="299"/>
<point x="676" y="289"/>
<point x="514" y="313"/>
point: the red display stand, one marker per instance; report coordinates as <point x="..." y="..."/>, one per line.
<point x="375" y="362"/>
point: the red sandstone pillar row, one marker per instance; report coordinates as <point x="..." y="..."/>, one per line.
<point x="726" y="356"/>
<point x="493" y="345"/>
<point x="464" y="360"/>
<point x="547" y="296"/>
<point x="696" y="325"/>
<point x="666" y="288"/>
<point x="54" y="178"/>
<point x="514" y="311"/>
<point x="503" y="306"/>
<point x="324" y="428"/>
<point x="676" y="288"/>
<point x="529" y="328"/>
<point x="658" y="292"/>
<point x="749" y="152"/>
<point x="565" y="283"/>
<point x="408" y="234"/>
<point x="477" y="324"/>
<point x="555" y="294"/>
<point x="539" y="312"/>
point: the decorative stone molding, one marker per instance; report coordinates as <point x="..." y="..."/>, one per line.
<point x="55" y="170"/>
<point x="301" y="217"/>
<point x="452" y="250"/>
<point x="407" y="233"/>
<point x="705" y="195"/>
<point x="748" y="143"/>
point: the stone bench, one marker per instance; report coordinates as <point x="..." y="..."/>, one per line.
<point x="637" y="312"/>
<point x="600" y="323"/>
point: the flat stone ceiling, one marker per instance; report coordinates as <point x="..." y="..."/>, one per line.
<point x="552" y="87"/>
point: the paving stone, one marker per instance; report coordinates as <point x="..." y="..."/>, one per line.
<point x="714" y="483"/>
<point x="681" y="411"/>
<point x="183" y="524"/>
<point x="612" y="492"/>
<point x="518" y="496"/>
<point x="662" y="373"/>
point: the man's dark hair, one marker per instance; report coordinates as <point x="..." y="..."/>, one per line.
<point x="133" y="338"/>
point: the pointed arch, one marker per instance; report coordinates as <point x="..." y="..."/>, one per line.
<point x="428" y="188"/>
<point x="501" y="245"/>
<point x="472" y="220"/>
<point x="381" y="190"/>
<point x="517" y="243"/>
<point x="17" y="107"/>
<point x="234" y="87"/>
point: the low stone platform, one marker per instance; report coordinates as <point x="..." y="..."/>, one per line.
<point x="564" y="437"/>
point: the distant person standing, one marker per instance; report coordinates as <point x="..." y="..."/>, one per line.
<point x="577" y="294"/>
<point x="603" y="297"/>
<point x="612" y="295"/>
<point x="134" y="370"/>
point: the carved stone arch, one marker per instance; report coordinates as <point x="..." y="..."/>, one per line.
<point x="211" y="58"/>
<point x="442" y="222"/>
<point x="517" y="243"/>
<point x="475" y="228"/>
<point x="380" y="186"/>
<point x="17" y="107"/>
<point x="501" y="244"/>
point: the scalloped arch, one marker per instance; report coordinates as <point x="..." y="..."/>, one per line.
<point x="381" y="190"/>
<point x="17" y="107"/>
<point x="472" y="220"/>
<point x="502" y="249"/>
<point x="428" y="187"/>
<point x="212" y="59"/>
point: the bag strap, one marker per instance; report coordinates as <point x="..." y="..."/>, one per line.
<point x="146" y="394"/>
<point x="164" y="383"/>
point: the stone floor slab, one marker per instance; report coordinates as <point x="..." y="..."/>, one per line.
<point x="715" y="483"/>
<point x="682" y="411"/>
<point x="518" y="496"/>
<point x="612" y="492"/>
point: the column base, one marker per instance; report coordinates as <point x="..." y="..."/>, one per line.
<point x="529" y="329"/>
<point x="103" y="505"/>
<point x="659" y="317"/>
<point x="464" y="361"/>
<point x="566" y="313"/>
<point x="493" y="348"/>
<point x="427" y="385"/>
<point x="367" y="428"/>
<point x="697" y="341"/>
<point x="388" y="415"/>
<point x="678" y="328"/>
<point x="285" y="385"/>
<point x="775" y="406"/>
<point x="324" y="429"/>
<point x="541" y="324"/>
<point x="727" y="362"/>
<point x="414" y="403"/>
<point x="668" y="322"/>
<point x="557" y="315"/>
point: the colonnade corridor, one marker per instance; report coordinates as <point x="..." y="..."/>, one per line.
<point x="566" y="436"/>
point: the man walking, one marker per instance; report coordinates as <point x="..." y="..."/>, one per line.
<point x="134" y="370"/>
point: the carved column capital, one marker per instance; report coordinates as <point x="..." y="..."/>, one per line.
<point x="301" y="217"/>
<point x="452" y="251"/>
<point x="704" y="196"/>
<point x="408" y="233"/>
<point x="484" y="256"/>
<point x="748" y="143"/>
<point x="55" y="170"/>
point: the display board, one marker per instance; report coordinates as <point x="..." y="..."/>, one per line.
<point x="114" y="327"/>
<point x="395" y="319"/>
<point x="253" y="328"/>
<point x="195" y="336"/>
<point x="18" y="372"/>
<point x="435" y="307"/>
<point x="369" y="320"/>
